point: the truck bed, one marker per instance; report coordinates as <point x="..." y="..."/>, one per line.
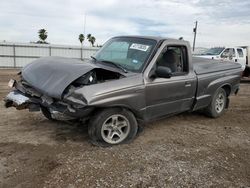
<point x="204" y="66"/>
<point x="213" y="74"/>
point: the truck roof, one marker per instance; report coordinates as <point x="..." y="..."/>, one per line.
<point x="157" y="38"/>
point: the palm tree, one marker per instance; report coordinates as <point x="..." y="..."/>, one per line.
<point x="91" y="39"/>
<point x="81" y="38"/>
<point x="43" y="34"/>
<point x="88" y="36"/>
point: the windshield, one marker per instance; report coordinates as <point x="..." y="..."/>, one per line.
<point x="129" y="52"/>
<point x="213" y="51"/>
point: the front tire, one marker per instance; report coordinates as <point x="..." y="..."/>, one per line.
<point x="218" y="104"/>
<point x="46" y="113"/>
<point x="112" y="126"/>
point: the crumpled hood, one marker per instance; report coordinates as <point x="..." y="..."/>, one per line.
<point x="51" y="75"/>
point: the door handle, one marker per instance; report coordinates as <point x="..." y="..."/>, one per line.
<point x="188" y="84"/>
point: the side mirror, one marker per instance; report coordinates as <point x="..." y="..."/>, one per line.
<point x="163" y="72"/>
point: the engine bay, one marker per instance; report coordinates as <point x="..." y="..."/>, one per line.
<point x="96" y="76"/>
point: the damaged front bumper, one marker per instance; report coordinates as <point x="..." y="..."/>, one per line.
<point x="58" y="110"/>
<point x="16" y="99"/>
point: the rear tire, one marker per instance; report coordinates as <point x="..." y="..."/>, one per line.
<point x="218" y="104"/>
<point x="112" y="126"/>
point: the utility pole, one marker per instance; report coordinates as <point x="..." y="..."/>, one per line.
<point x="84" y="26"/>
<point x="195" y="31"/>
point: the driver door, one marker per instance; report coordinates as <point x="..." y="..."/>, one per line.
<point x="171" y="95"/>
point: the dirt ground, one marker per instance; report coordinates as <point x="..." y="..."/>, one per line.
<point x="188" y="150"/>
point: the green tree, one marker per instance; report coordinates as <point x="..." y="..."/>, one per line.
<point x="88" y="36"/>
<point x="91" y="39"/>
<point x="81" y="38"/>
<point x="42" y="34"/>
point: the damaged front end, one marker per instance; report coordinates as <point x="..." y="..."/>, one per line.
<point x="25" y="97"/>
<point x="16" y="99"/>
<point x="48" y="85"/>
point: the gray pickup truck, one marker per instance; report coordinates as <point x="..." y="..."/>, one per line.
<point x="131" y="80"/>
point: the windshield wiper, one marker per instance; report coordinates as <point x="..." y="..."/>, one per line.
<point x="93" y="58"/>
<point x="116" y="65"/>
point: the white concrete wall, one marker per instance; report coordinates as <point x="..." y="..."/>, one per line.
<point x="20" y="54"/>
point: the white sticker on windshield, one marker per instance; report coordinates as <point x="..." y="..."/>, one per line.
<point x="141" y="47"/>
<point x="134" y="61"/>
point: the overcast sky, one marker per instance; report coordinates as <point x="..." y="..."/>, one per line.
<point x="220" y="23"/>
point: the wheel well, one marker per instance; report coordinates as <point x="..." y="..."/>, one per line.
<point x="227" y="89"/>
<point x="137" y="116"/>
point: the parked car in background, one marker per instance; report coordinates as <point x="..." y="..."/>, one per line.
<point x="246" y="72"/>
<point x="247" y="52"/>
<point x="199" y="50"/>
<point x="233" y="54"/>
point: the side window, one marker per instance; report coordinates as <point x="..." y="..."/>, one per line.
<point x="175" y="58"/>
<point x="228" y="53"/>
<point x="240" y="52"/>
<point x="232" y="52"/>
